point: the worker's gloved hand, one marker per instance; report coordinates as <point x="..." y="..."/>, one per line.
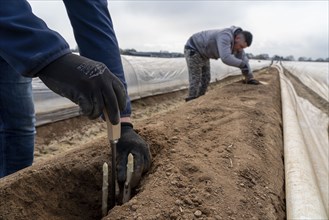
<point x="131" y="142"/>
<point x="88" y="83"/>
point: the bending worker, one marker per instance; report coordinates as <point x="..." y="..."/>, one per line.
<point x="227" y="44"/>
<point x="95" y="80"/>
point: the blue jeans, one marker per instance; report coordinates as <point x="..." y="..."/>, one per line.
<point x="16" y="121"/>
<point x="27" y="45"/>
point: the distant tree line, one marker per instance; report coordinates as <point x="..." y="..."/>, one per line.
<point x="167" y="54"/>
<point x="287" y="58"/>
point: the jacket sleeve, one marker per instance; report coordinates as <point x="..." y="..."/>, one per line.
<point x="243" y="56"/>
<point x="26" y="42"/>
<point x="225" y="51"/>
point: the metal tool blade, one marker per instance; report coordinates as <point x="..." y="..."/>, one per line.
<point x="113" y="134"/>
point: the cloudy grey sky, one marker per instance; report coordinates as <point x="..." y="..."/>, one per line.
<point x="298" y="28"/>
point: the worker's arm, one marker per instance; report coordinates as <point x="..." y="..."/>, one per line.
<point x="225" y="51"/>
<point x="246" y="69"/>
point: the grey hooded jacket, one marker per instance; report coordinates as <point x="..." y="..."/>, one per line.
<point x="214" y="44"/>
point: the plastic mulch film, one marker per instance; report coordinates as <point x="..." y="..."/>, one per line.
<point x="145" y="76"/>
<point x="306" y="154"/>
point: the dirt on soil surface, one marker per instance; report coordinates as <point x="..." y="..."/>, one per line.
<point x="216" y="157"/>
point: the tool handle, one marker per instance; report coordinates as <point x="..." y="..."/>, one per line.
<point x="113" y="131"/>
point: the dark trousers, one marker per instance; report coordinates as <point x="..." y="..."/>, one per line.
<point x="199" y="73"/>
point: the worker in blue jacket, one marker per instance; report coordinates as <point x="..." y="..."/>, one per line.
<point x="228" y="44"/>
<point x="94" y="80"/>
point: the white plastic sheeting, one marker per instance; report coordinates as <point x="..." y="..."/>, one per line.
<point x="313" y="74"/>
<point x="148" y="76"/>
<point x="305" y="152"/>
<point x="49" y="106"/>
<point x="145" y="76"/>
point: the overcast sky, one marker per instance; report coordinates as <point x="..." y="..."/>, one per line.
<point x="298" y="28"/>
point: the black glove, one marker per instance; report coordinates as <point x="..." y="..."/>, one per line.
<point x="131" y="142"/>
<point x="88" y="83"/>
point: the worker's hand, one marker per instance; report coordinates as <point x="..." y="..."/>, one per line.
<point x="131" y="142"/>
<point x="88" y="83"/>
